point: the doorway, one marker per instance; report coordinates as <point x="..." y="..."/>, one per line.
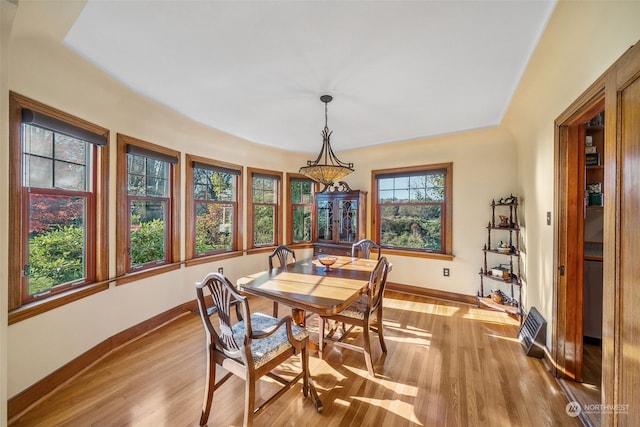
<point x="580" y="188"/>
<point x="617" y="93"/>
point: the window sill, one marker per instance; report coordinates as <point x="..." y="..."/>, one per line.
<point x="212" y="258"/>
<point x="429" y="255"/>
<point x="133" y="276"/>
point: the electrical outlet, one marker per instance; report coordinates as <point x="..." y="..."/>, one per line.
<point x="445" y="272"/>
<point x="220" y="270"/>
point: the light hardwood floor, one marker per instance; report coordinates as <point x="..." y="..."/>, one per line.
<point x="448" y="364"/>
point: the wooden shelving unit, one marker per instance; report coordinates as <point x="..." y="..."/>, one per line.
<point x="506" y="291"/>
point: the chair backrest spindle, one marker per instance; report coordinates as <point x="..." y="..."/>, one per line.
<point x="224" y="295"/>
<point x="282" y="253"/>
<point x="364" y="248"/>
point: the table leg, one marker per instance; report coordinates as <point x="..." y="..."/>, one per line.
<point x="300" y="318"/>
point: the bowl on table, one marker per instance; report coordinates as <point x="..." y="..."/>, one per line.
<point x="327" y="261"/>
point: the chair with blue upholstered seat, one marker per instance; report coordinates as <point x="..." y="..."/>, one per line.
<point x="249" y="348"/>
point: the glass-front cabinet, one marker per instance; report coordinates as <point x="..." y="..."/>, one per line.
<point x="340" y="214"/>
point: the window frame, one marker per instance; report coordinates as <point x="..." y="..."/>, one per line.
<point x="190" y="245"/>
<point x="21" y="306"/>
<point x="251" y="247"/>
<point x="124" y="272"/>
<point x="292" y="177"/>
<point x="447" y="225"/>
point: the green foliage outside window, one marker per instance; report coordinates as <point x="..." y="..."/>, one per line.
<point x="264" y="225"/>
<point x="411" y="211"/>
<point x="56" y="257"/>
<point x="147" y="242"/>
<point x="301" y="193"/>
<point x="215" y="194"/>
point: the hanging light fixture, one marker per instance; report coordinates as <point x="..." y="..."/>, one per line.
<point x="327" y="168"/>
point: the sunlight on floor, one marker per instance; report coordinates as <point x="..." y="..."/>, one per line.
<point x="502" y="337"/>
<point x="402" y="409"/>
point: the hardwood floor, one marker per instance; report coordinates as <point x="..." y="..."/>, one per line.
<point x="448" y="364"/>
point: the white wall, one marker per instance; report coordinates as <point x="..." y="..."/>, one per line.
<point x="581" y="41"/>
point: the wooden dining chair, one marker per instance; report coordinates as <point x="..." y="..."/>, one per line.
<point x="360" y="313"/>
<point x="283" y="254"/>
<point x="249" y="348"/>
<point x="362" y="249"/>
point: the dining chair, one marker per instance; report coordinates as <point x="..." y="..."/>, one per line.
<point x="363" y="248"/>
<point x="360" y="313"/>
<point x="283" y="254"/>
<point x="250" y="348"/>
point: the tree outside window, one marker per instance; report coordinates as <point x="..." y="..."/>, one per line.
<point x="148" y="195"/>
<point x="57" y="206"/>
<point x="147" y="222"/>
<point x="57" y="187"/>
<point x="300" y="201"/>
<point x="213" y="207"/>
<point x="413" y="208"/>
<point x="266" y="200"/>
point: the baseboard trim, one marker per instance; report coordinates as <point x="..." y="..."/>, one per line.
<point x="432" y="293"/>
<point x="24" y="400"/>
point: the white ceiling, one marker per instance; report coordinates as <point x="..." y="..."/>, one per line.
<point x="397" y="69"/>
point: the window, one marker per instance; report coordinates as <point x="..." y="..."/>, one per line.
<point x="300" y="209"/>
<point x="264" y="209"/>
<point x="413" y="208"/>
<point x="58" y="202"/>
<point x="213" y="193"/>
<point x="147" y="223"/>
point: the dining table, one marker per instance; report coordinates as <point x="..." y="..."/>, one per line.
<point x="309" y="286"/>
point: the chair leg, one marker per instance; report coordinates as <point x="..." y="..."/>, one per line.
<point x="209" y="387"/>
<point x="380" y="330"/>
<point x="249" y="400"/>
<point x="275" y="309"/>
<point x="367" y="349"/>
<point x="321" y="337"/>
<point x="304" y="360"/>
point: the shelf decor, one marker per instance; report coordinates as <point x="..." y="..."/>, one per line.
<point x="501" y="266"/>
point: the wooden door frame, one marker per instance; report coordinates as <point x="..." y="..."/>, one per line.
<point x="567" y="346"/>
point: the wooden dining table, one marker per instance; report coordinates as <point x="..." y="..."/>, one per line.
<point x="308" y="286"/>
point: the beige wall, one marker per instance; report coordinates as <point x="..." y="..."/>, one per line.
<point x="583" y="38"/>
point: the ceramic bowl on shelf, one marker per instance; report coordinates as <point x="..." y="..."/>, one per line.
<point x="503" y="250"/>
<point x="327" y="261"/>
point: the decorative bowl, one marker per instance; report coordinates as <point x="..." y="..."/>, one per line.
<point x="327" y="261"/>
<point x="504" y="250"/>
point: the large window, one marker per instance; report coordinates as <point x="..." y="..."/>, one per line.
<point x="265" y="221"/>
<point x="58" y="202"/>
<point x="148" y="206"/>
<point x="213" y="193"/>
<point x="300" y="209"/>
<point x="413" y="208"/>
